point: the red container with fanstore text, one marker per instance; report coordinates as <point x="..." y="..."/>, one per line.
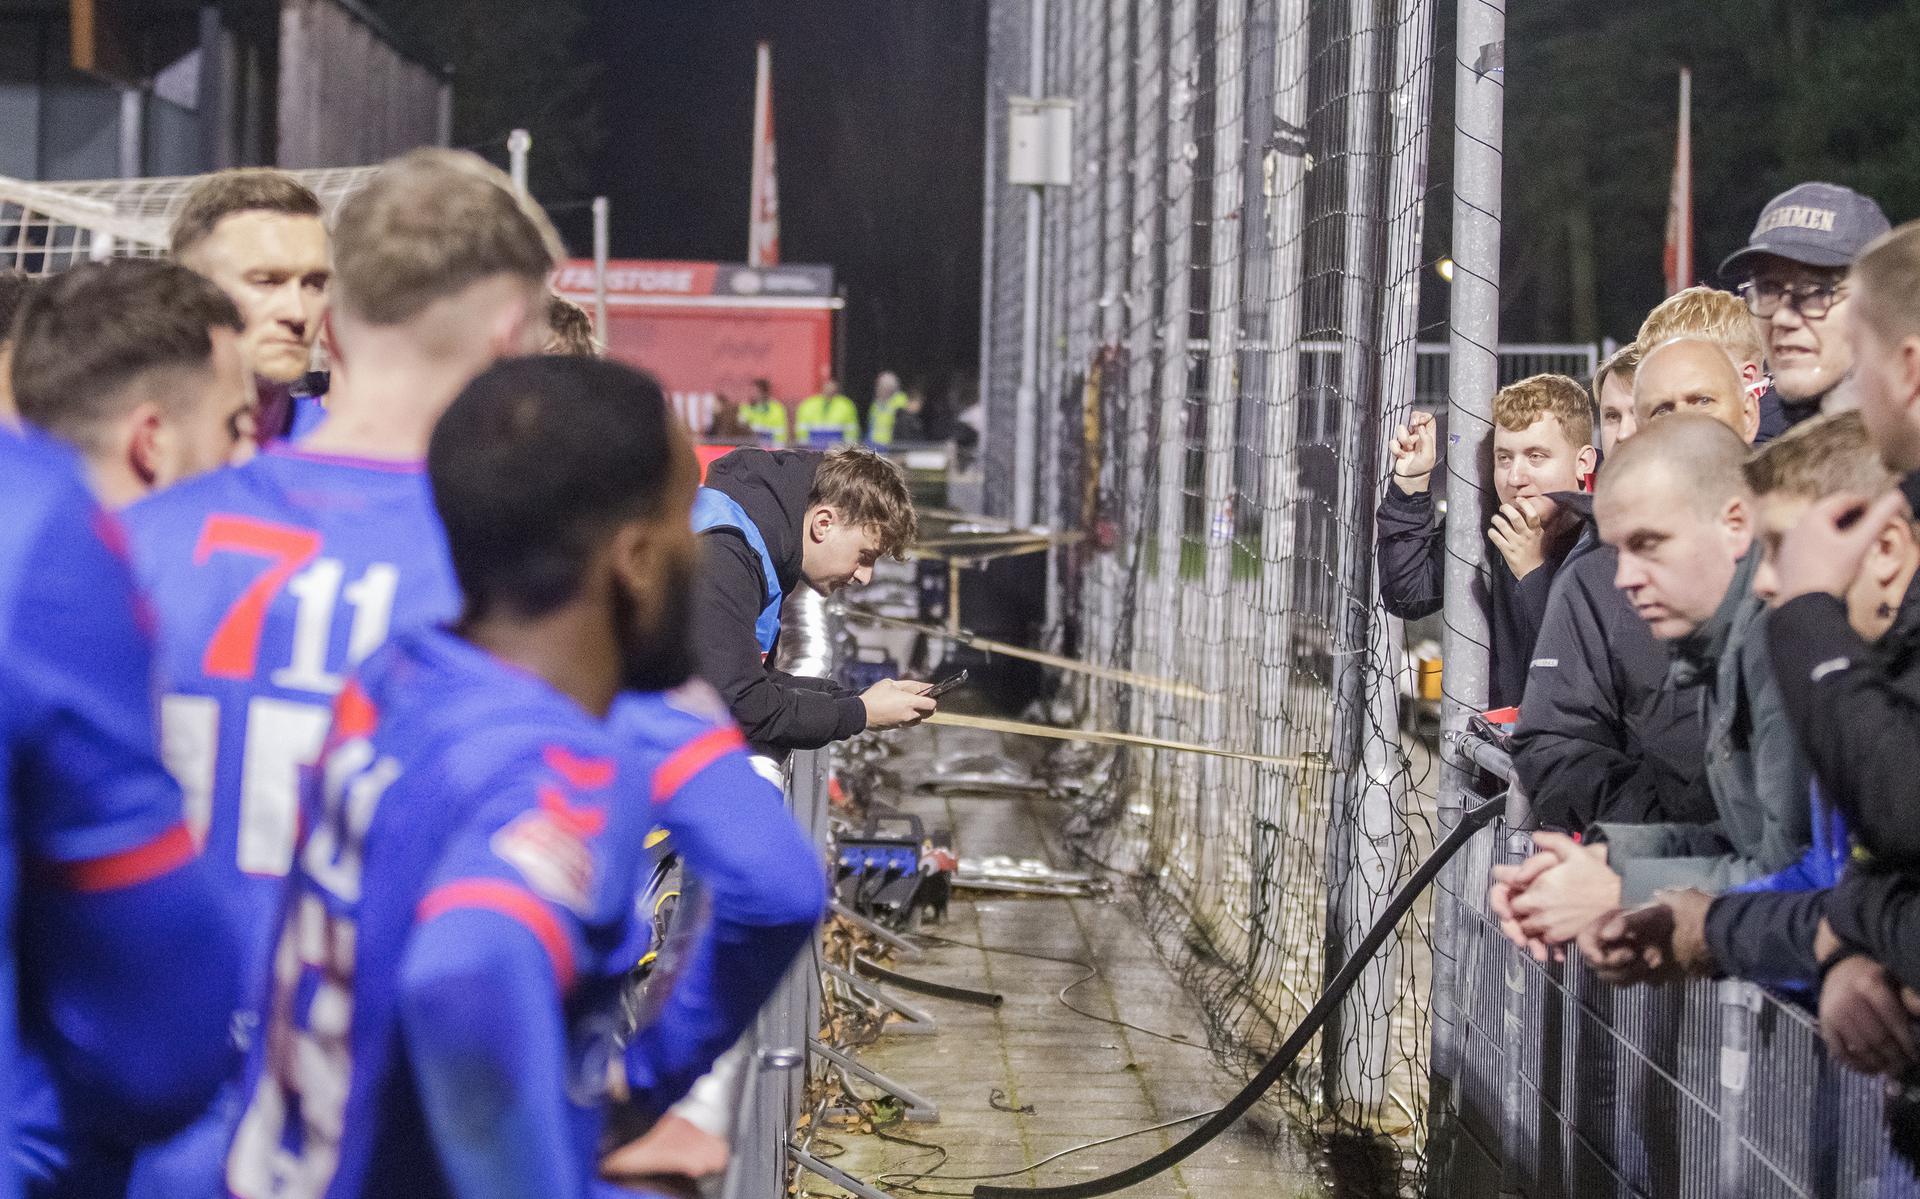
<point x="707" y="329"/>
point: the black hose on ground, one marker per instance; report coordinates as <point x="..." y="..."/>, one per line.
<point x="906" y="982"/>
<point x="1471" y="822"/>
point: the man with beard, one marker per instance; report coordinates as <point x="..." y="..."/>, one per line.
<point x="135" y="364"/>
<point x="272" y="581"/>
<point x="462" y="915"/>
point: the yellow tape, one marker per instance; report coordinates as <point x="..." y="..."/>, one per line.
<point x="962" y="637"/>
<point x="1021" y="728"/>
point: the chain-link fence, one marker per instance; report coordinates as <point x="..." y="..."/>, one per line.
<point x="1196" y="349"/>
<point x="1224" y="326"/>
<point x="1567" y="1086"/>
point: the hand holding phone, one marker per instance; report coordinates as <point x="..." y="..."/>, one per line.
<point x="945" y="685"/>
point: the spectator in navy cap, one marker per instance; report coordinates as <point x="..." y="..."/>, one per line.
<point x="1793" y="272"/>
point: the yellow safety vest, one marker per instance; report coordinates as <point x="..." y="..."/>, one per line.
<point x="883" y="416"/>
<point x="821" y="414"/>
<point x="769" y="420"/>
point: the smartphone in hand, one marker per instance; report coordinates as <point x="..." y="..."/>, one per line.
<point x="945" y="685"/>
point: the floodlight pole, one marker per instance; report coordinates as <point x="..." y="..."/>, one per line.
<point x="519" y="142"/>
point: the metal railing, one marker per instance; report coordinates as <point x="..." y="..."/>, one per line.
<point x="773" y="1053"/>
<point x="1516" y="361"/>
<point x="1566" y="1086"/>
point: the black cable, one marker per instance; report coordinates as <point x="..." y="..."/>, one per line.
<point x="907" y="982"/>
<point x="1471" y="822"/>
<point x="1051" y="1157"/>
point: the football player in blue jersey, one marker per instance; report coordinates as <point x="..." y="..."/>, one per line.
<point x="461" y="915"/>
<point x="137" y="365"/>
<point x="272" y="580"/>
<point x="126" y="965"/>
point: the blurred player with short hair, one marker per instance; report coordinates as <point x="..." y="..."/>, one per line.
<point x="137" y="365"/>
<point x="273" y="580"/>
<point x="119" y="1035"/>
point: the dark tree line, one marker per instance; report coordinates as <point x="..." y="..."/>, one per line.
<point x="517" y="65"/>
<point x="1783" y="91"/>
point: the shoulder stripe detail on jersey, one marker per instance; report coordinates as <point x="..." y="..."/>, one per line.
<point x="394" y="466"/>
<point x="516" y="904"/>
<point x="130" y="867"/>
<point x="584" y="822"/>
<point x="234" y="649"/>
<point x="582" y="774"/>
<point x="693" y="757"/>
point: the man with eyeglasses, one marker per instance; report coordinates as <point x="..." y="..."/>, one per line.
<point x="1792" y="273"/>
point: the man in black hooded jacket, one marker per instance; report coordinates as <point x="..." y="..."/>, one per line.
<point x="1543" y="461"/>
<point x="1604" y="733"/>
<point x="769" y="522"/>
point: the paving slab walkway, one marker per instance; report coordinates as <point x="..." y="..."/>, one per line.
<point x="1032" y="1078"/>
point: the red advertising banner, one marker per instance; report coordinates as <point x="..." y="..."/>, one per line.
<point x="710" y="329"/>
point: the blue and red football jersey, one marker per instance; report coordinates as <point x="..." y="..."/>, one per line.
<point x="461" y="918"/>
<point x="269" y="582"/>
<point x="98" y="823"/>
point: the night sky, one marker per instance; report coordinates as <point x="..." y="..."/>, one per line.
<point x="878" y="119"/>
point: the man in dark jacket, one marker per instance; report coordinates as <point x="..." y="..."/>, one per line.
<point x="1543" y="461"/>
<point x="1858" y="713"/>
<point x="1604" y="732"/>
<point x="1674" y="505"/>
<point x="770" y="521"/>
<point x="1765" y="930"/>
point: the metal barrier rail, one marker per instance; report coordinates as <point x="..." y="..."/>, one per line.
<point x="1565" y="1085"/>
<point x="774" y="1050"/>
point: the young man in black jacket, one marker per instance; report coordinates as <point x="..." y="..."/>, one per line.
<point x="1604" y="734"/>
<point x="1674" y="504"/>
<point x="1765" y="930"/>
<point x="772" y="521"/>
<point x="1543" y="462"/>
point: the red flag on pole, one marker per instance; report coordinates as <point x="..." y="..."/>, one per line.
<point x="1679" y="252"/>
<point x="763" y="228"/>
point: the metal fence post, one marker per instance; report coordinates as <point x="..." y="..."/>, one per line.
<point x="1473" y="374"/>
<point x="1027" y="397"/>
<point x="519" y="145"/>
<point x="1473" y="340"/>
<point x="1175" y="381"/>
<point x="602" y="239"/>
<point x="1222" y="162"/>
<point x="1739" y="1002"/>
<point x="774" y="1049"/>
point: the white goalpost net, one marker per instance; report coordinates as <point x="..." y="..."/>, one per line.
<point x="47" y="227"/>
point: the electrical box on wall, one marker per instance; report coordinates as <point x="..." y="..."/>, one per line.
<point x="1039" y="142"/>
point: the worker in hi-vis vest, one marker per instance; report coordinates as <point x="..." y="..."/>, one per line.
<point x="889" y="404"/>
<point x="826" y="416"/>
<point x="766" y="416"/>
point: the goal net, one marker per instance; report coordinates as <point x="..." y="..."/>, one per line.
<point x="47" y="227"/>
